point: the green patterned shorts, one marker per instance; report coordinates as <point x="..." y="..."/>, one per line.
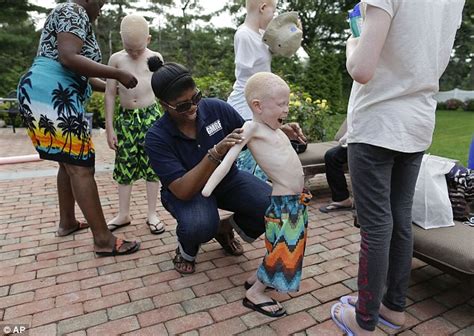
<point x="131" y="160"/>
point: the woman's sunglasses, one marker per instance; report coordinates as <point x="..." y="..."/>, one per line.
<point x="186" y="105"/>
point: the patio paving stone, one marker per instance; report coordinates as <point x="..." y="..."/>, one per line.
<point x="57" y="286"/>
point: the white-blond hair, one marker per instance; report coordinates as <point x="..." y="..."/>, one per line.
<point x="134" y="27"/>
<point x="262" y="85"/>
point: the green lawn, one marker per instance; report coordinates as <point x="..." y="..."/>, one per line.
<point x="452" y="136"/>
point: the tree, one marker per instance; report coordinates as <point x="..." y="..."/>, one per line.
<point x="324" y="22"/>
<point x="19" y="42"/>
<point x="107" y="27"/>
<point x="182" y="26"/>
<point x="325" y="30"/>
<point x="460" y="71"/>
<point x="17" y="11"/>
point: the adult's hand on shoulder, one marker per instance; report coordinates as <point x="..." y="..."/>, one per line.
<point x="294" y="132"/>
<point x="127" y="79"/>
<point x="230" y="140"/>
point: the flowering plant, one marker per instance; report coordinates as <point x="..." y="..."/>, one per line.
<point x="214" y="85"/>
<point x="310" y="113"/>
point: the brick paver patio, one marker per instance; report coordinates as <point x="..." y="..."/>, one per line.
<point x="57" y="286"/>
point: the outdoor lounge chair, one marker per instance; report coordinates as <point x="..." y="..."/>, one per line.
<point x="313" y="158"/>
<point x="12" y="110"/>
<point x="450" y="249"/>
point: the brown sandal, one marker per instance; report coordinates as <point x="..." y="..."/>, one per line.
<point x="134" y="247"/>
<point x="229" y="243"/>
<point x="180" y="263"/>
<point x="80" y="226"/>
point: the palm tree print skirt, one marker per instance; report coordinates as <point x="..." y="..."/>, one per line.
<point x="51" y="100"/>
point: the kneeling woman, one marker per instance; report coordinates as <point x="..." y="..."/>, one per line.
<point x="184" y="147"/>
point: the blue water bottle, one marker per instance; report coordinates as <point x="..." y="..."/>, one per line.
<point x="355" y="20"/>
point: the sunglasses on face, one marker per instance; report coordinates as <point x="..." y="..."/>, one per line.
<point x="186" y="105"/>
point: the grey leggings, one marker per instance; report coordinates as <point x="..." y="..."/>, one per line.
<point x="383" y="183"/>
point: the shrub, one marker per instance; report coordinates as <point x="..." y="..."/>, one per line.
<point x="323" y="78"/>
<point x="453" y="104"/>
<point x="309" y="113"/>
<point x="215" y="85"/>
<point x="96" y="105"/>
<point x="8" y="118"/>
<point x="469" y="105"/>
<point x="441" y="106"/>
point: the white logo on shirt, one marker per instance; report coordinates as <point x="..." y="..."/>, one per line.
<point x="214" y="127"/>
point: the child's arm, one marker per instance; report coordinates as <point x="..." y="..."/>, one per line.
<point x="97" y="84"/>
<point x="110" y="93"/>
<point x="222" y="170"/>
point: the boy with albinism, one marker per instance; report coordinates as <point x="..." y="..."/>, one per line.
<point x="251" y="56"/>
<point x="286" y="218"/>
<point x="138" y="111"/>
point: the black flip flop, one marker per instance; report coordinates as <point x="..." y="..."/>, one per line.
<point x="113" y="227"/>
<point x="116" y="250"/>
<point x="259" y="307"/>
<point x="155" y="229"/>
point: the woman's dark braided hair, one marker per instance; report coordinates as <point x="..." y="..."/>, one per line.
<point x="169" y="80"/>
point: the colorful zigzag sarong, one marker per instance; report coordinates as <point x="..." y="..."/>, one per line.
<point x="286" y="221"/>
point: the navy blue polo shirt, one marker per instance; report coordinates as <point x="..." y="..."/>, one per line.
<point x="172" y="154"/>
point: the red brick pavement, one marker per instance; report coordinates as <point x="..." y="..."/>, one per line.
<point x="57" y="286"/>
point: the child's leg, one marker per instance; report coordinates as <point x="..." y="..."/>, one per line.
<point x="281" y="268"/>
<point x="256" y="295"/>
<point x="123" y="217"/>
<point x="125" y="166"/>
<point x="148" y="116"/>
<point x="152" y="197"/>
